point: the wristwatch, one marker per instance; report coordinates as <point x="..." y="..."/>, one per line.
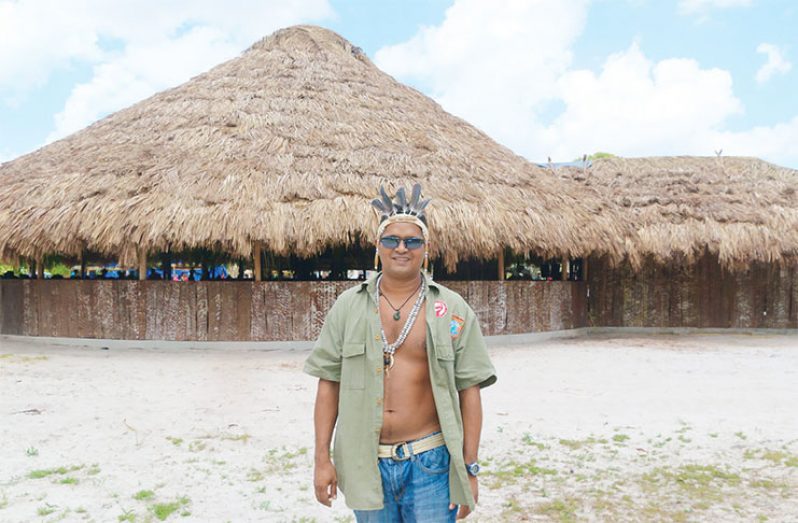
<point x="473" y="468"/>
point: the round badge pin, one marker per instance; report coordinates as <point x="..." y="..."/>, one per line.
<point x="440" y="309"/>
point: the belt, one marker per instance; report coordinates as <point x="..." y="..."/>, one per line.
<point x="410" y="448"/>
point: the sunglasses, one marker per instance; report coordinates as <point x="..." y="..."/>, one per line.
<point x="392" y="242"/>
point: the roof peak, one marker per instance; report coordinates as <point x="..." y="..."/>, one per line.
<point x="310" y="39"/>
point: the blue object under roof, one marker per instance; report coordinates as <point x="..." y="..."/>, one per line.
<point x="579" y="164"/>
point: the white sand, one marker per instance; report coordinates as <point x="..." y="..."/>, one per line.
<point x="656" y="428"/>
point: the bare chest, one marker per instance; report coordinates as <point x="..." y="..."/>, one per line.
<point x="414" y="347"/>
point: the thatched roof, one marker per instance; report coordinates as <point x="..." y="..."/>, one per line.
<point x="742" y="209"/>
<point x="287" y="144"/>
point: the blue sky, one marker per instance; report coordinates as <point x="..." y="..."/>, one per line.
<point x="547" y="78"/>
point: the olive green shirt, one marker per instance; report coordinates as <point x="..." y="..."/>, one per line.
<point x="349" y="351"/>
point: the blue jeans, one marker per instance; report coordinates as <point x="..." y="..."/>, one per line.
<point x="415" y="490"/>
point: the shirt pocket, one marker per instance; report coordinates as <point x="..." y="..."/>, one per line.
<point x="353" y="366"/>
<point x="443" y="349"/>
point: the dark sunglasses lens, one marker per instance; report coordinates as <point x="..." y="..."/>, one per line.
<point x="390" y="242"/>
<point x="414" y="243"/>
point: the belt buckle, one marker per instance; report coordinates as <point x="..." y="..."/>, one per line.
<point x="405" y="450"/>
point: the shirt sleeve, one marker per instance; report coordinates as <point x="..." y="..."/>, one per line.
<point x="325" y="360"/>
<point x="472" y="364"/>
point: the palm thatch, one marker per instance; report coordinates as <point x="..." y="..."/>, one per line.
<point x="286" y="145"/>
<point x="740" y="209"/>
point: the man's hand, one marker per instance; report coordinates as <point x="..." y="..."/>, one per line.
<point x="325" y="482"/>
<point x="464" y="510"/>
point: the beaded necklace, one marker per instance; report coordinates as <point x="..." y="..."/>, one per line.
<point x="388" y="349"/>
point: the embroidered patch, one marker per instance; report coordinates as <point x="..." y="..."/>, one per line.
<point x="456" y="326"/>
<point x="440" y="309"/>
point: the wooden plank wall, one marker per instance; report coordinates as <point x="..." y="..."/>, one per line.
<point x="702" y="295"/>
<point x="12" y="303"/>
<point x="249" y="311"/>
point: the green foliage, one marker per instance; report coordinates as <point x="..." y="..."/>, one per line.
<point x="596" y="156"/>
<point x="599" y="155"/>
<point x="254" y="475"/>
<point x="43" y="473"/>
<point x="236" y="437"/>
<point x="197" y="446"/>
<point x="143" y="494"/>
<point x="6" y="268"/>
<point x="777" y="457"/>
<point x="164" y="510"/>
<point x="703" y="483"/>
<point x="562" y="510"/>
<point x="54" y="267"/>
<point x="575" y="444"/>
<point x="511" y="472"/>
<point x="527" y="439"/>
<point x="60" y="269"/>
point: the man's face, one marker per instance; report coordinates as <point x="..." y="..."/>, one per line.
<point x="401" y="262"/>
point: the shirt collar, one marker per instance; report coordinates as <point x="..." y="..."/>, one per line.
<point x="369" y="284"/>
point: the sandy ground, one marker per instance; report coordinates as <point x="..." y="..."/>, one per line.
<point x="654" y="428"/>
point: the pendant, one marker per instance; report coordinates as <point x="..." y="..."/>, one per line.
<point x="387" y="360"/>
<point x="397" y="315"/>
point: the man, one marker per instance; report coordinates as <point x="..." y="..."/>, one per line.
<point x="400" y="362"/>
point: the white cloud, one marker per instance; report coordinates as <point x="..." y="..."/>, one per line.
<point x="775" y="143"/>
<point x="139" y="72"/>
<point x="37" y="36"/>
<point x="504" y="77"/>
<point x="495" y="63"/>
<point x="776" y="63"/>
<point x="134" y="48"/>
<point x="502" y="65"/>
<point x="638" y="107"/>
<point x="702" y="6"/>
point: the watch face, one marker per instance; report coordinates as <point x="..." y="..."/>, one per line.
<point x="473" y="469"/>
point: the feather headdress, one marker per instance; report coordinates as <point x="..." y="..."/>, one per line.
<point x="400" y="209"/>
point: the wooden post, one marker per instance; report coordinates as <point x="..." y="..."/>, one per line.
<point x="40" y="269"/>
<point x="16" y="265"/>
<point x="142" y="252"/>
<point x="501" y="264"/>
<point x="584" y="269"/>
<point x="166" y="265"/>
<point x="82" y="265"/>
<point x="566" y="269"/>
<point x="256" y="260"/>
